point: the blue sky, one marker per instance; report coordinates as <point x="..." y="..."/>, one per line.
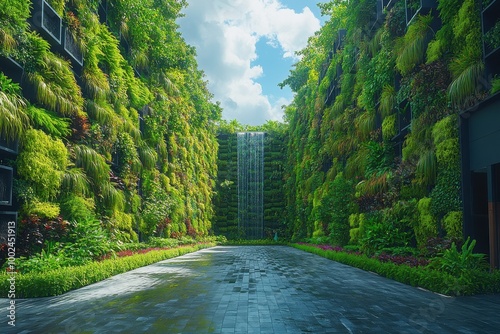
<point x="246" y="48"/>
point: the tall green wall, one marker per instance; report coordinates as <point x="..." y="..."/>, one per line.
<point x="116" y="125"/>
<point x="226" y="198"/>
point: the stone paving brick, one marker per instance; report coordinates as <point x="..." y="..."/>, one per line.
<point x="254" y="289"/>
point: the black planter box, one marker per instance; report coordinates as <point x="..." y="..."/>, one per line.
<point x="424" y="7"/>
<point x="45" y="20"/>
<point x="6" y="179"/>
<point x="72" y="49"/>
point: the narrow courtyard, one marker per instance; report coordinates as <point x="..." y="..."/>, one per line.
<point x="254" y="289"/>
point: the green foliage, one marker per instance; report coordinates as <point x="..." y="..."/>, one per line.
<point x="43" y="210"/>
<point x="426" y="226"/>
<point x="495" y="85"/>
<point x="492" y="37"/>
<point x="461" y="266"/>
<point x="412" y="47"/>
<point x="466" y="66"/>
<point x="157" y="206"/>
<point x="440" y="281"/>
<point x="87" y="241"/>
<point x="49" y="122"/>
<point x="336" y="207"/>
<point x="446" y="195"/>
<point x="391" y="228"/>
<point x="58" y="281"/>
<point x="76" y="208"/>
<point x="13" y="119"/>
<point x="452" y="224"/>
<point x="42" y="162"/>
<point x="357" y="225"/>
<point x="389" y="127"/>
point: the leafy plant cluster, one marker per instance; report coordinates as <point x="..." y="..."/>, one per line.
<point x="456" y="272"/>
<point x="127" y="140"/>
<point x="58" y="281"/>
<point x="226" y="199"/>
<point x="390" y="133"/>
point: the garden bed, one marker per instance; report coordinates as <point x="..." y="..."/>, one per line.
<point x="468" y="283"/>
<point x="58" y="281"/>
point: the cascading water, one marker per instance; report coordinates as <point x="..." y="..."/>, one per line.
<point x="251" y="184"/>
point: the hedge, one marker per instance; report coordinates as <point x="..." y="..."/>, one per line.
<point x="478" y="282"/>
<point x="62" y="280"/>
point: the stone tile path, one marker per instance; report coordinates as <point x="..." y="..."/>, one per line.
<point x="253" y="289"/>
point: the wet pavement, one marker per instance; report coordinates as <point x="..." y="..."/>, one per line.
<point x="252" y="289"/>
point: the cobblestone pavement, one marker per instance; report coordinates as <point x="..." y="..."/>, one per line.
<point x="253" y="289"/>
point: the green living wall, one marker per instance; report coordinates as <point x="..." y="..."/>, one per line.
<point x="114" y="120"/>
<point x="373" y="150"/>
<point x="226" y="198"/>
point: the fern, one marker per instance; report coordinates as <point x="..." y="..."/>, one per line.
<point x="427" y="167"/>
<point x="49" y="122"/>
<point x="412" y="47"/>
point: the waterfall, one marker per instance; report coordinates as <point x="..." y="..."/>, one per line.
<point x="251" y="184"/>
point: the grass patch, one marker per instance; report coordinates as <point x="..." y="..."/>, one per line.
<point x="59" y="281"/>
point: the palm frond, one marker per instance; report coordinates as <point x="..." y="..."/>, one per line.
<point x="412" y="46"/>
<point x="365" y="123"/>
<point x="466" y="83"/>
<point x="75" y="181"/>
<point x="56" y="87"/>
<point x="112" y="198"/>
<point x="7" y="42"/>
<point x="13" y="119"/>
<point x="148" y="156"/>
<point x="387" y="100"/>
<point x="427" y="167"/>
<point x="102" y="113"/>
<point x="49" y="122"/>
<point x="92" y="163"/>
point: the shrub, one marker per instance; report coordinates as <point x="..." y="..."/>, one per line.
<point x="87" y="241"/>
<point x="440" y="281"/>
<point x="336" y="206"/>
<point x="462" y="266"/>
<point x="426" y="224"/>
<point x="42" y="163"/>
<point x="452" y="223"/>
<point x="58" y="281"/>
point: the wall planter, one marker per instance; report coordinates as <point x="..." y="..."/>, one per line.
<point x="72" y="49"/>
<point x="102" y="11"/>
<point x="12" y="69"/>
<point x="416" y="7"/>
<point x="490" y="18"/>
<point x="46" y="21"/>
<point x="6" y="178"/>
<point x="9" y="146"/>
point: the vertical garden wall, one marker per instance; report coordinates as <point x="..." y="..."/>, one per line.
<point x="230" y="221"/>
<point x="373" y="153"/>
<point x="112" y="116"/>
<point x="250" y="151"/>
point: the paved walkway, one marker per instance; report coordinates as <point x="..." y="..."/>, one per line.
<point x="253" y="290"/>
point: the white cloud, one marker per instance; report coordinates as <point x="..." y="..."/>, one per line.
<point x="225" y="34"/>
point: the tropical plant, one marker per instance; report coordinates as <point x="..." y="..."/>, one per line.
<point x="42" y="162"/>
<point x="412" y="47"/>
<point x="13" y="119"/>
